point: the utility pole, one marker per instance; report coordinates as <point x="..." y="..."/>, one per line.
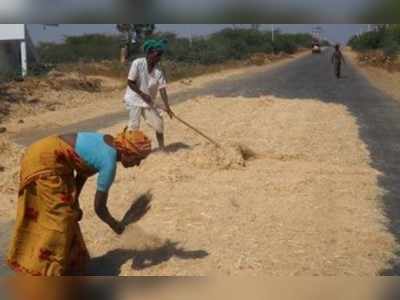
<point x="272" y="32"/>
<point x="24" y="64"/>
<point x="23" y="53"/>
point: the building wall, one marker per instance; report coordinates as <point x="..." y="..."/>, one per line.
<point x="10" y="57"/>
<point x="11" y="32"/>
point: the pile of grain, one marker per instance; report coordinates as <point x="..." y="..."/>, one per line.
<point x="10" y="155"/>
<point x="291" y="185"/>
<point x="291" y="192"/>
<point x="209" y="156"/>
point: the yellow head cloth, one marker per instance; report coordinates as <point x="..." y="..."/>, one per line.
<point x="133" y="143"/>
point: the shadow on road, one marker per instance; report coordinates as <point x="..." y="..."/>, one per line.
<point x="392" y="292"/>
<point x="110" y="264"/>
<point x="172" y="148"/>
<point x="175" y="147"/>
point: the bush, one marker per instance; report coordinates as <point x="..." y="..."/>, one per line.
<point x="385" y="39"/>
<point x="368" y="41"/>
<point x="89" y="47"/>
<point x="283" y="43"/>
<point x="390" y="47"/>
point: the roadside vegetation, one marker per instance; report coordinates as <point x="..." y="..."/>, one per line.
<point x="184" y="57"/>
<point x="380" y="47"/>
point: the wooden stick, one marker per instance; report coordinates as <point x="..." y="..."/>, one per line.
<point x="191" y="127"/>
<point x="197" y="131"/>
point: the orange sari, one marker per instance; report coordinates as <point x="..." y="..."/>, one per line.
<point x="47" y="239"/>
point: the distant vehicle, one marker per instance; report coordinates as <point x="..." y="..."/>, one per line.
<point x="316" y="47"/>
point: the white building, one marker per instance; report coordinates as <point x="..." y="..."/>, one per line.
<point x="14" y="42"/>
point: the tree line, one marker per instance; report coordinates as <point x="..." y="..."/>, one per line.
<point x="224" y="45"/>
<point x="384" y="37"/>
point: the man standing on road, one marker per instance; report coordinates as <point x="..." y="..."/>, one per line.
<point x="144" y="82"/>
<point x="337" y="59"/>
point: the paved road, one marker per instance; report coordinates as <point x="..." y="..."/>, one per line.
<point x="377" y="114"/>
<point x="310" y="77"/>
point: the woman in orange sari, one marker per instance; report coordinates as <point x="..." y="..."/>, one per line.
<point x="47" y="239"/>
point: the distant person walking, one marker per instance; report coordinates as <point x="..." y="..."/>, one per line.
<point x="337" y="59"/>
<point x="144" y="82"/>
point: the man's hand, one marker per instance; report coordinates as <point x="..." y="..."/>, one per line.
<point x="170" y="113"/>
<point x="118" y="227"/>
<point x="146" y="98"/>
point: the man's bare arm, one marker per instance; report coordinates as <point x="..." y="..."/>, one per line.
<point x="164" y="97"/>
<point x="146" y="98"/>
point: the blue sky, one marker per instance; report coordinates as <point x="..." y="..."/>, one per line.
<point x="338" y="9"/>
<point x="334" y="32"/>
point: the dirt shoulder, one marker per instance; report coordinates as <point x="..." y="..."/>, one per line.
<point x="379" y="77"/>
<point x="75" y="106"/>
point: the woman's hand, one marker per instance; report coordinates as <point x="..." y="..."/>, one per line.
<point x="80" y="214"/>
<point x="100" y="207"/>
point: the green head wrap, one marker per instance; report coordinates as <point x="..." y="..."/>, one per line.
<point x="155" y="45"/>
